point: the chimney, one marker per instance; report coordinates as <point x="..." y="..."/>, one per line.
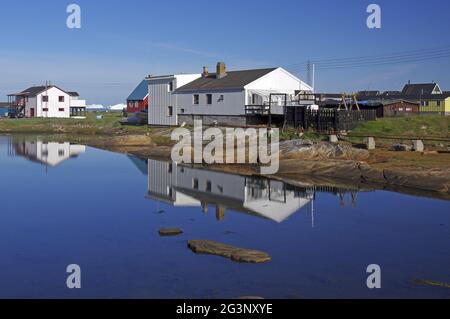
<point x="205" y="72"/>
<point x="221" y="70"/>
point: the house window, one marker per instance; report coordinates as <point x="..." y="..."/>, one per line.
<point x="61" y="153"/>
<point x="170" y="86"/>
<point x="61" y="99"/>
<point x="438" y="103"/>
<point x="170" y="168"/>
<point x="45" y="98"/>
<point x="169" y="111"/>
<point x="209" y="99"/>
<point x="61" y="109"/>
<point x="208" y="186"/>
<point x="256" y="99"/>
<point x="182" y="111"/>
<point x="45" y="109"/>
<point x="196" y="99"/>
<point x="195" y="183"/>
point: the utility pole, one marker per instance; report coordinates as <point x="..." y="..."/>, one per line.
<point x="314" y="78"/>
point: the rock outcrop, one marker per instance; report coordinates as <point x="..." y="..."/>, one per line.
<point x="236" y="254"/>
<point x="170" y="232"/>
<point x="307" y="149"/>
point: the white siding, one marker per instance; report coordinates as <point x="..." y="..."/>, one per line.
<point x="233" y="103"/>
<point x="279" y="80"/>
<point x="160" y="98"/>
<point x="53" y="105"/>
<point x="31" y="104"/>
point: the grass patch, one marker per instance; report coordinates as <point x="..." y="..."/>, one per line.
<point x="108" y="124"/>
<point x="417" y="126"/>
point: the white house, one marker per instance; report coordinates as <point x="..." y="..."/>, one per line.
<point x="47" y="101"/>
<point x="163" y="103"/>
<point x="222" y="97"/>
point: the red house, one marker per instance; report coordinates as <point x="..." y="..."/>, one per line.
<point x="138" y="99"/>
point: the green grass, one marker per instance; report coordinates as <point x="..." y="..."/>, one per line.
<point x="418" y="126"/>
<point x="109" y="124"/>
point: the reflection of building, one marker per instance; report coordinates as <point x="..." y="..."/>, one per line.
<point x="186" y="186"/>
<point x="48" y="153"/>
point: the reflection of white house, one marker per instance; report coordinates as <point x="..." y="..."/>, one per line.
<point x="51" y="153"/>
<point x="185" y="186"/>
<point x="222" y="97"/>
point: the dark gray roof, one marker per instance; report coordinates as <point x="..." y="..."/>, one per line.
<point x="409" y="97"/>
<point x="369" y="93"/>
<point x="73" y="93"/>
<point x="233" y="80"/>
<point x="416" y="89"/>
<point x="35" y="90"/>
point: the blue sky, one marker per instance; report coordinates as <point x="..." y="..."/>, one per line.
<point x="122" y="41"/>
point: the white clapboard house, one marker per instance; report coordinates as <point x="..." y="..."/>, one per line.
<point x="47" y="101"/>
<point x="163" y="102"/>
<point x="184" y="186"/>
<point x="222" y="97"/>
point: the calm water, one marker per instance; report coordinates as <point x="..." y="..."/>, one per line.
<point x="67" y="204"/>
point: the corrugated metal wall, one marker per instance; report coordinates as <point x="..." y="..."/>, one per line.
<point x="159" y="100"/>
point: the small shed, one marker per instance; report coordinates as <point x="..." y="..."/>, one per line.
<point x="400" y="108"/>
<point x="391" y="108"/>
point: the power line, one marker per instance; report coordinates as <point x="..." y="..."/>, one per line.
<point x="354" y="62"/>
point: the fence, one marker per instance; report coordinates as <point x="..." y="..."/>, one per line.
<point x="327" y="120"/>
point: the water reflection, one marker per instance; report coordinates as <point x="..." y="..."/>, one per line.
<point x="95" y="205"/>
<point x="43" y="152"/>
<point x="185" y="186"/>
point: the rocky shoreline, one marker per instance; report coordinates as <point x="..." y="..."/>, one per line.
<point x="343" y="165"/>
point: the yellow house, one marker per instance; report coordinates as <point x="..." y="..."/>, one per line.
<point x="430" y="97"/>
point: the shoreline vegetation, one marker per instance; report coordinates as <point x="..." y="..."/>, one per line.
<point x="424" y="174"/>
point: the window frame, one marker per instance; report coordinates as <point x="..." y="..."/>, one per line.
<point x="209" y="99"/>
<point x="195" y="99"/>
